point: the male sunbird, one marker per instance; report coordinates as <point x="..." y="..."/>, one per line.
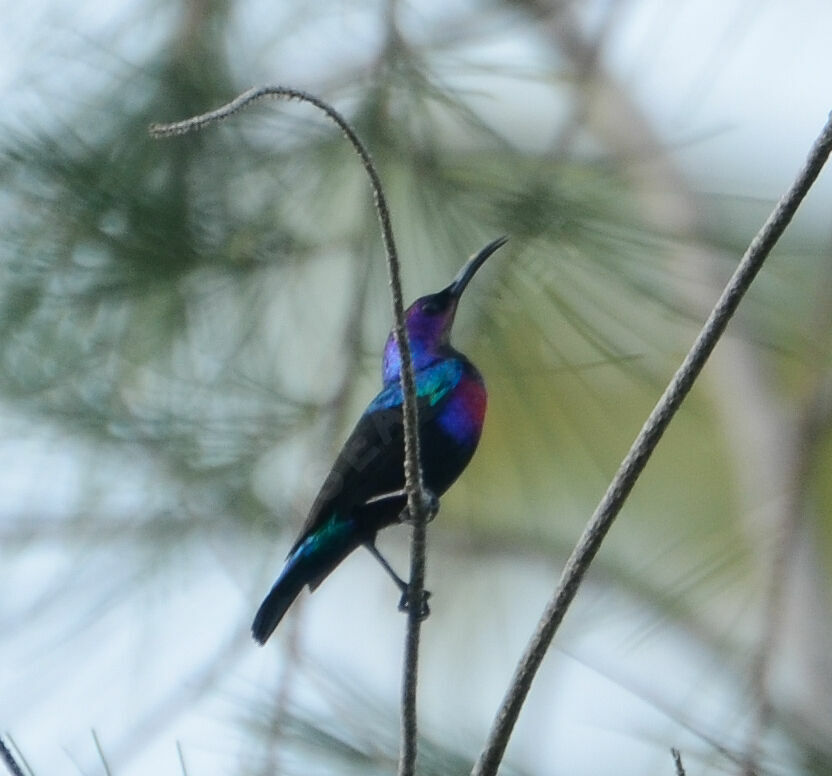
<point x="365" y="490"/>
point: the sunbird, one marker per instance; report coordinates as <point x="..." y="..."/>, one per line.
<point x="365" y="490"/>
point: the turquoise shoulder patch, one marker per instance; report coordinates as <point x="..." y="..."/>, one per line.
<point x="432" y="383"/>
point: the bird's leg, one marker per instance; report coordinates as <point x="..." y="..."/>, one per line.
<point x="430" y="503"/>
<point x="404" y="588"/>
<point x="398" y="581"/>
<point x="393" y="494"/>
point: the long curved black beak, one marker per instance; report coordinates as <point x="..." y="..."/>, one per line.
<point x="472" y="265"/>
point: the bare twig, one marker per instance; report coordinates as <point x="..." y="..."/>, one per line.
<point x="641" y="450"/>
<point x="101" y="754"/>
<point x="8" y="758"/>
<point x="416" y="500"/>
<point x="677" y="761"/>
<point x="181" y="757"/>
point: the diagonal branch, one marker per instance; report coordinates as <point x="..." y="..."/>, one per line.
<point x="416" y="498"/>
<point x="641" y="450"/>
<point x="8" y="758"/>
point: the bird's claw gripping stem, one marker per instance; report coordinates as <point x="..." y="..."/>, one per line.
<point x="404" y="587"/>
<point x="424" y="609"/>
<point x="430" y="506"/>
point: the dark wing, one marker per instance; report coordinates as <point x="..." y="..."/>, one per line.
<point x="371" y="463"/>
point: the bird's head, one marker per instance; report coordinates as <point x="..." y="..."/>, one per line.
<point x="430" y="318"/>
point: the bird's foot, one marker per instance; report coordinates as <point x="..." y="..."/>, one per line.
<point x="430" y="507"/>
<point x="424" y="609"/>
<point x="430" y="504"/>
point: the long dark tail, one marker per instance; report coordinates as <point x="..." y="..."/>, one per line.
<point x="309" y="565"/>
<point x="319" y="553"/>
<point x="285" y="590"/>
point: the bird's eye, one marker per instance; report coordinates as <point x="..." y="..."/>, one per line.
<point x="431" y="307"/>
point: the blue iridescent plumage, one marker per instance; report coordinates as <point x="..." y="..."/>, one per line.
<point x="432" y="384"/>
<point x="364" y="491"/>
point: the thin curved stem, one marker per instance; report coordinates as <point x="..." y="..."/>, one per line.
<point x="641" y="450"/>
<point x="416" y="501"/>
<point x="677" y="762"/>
